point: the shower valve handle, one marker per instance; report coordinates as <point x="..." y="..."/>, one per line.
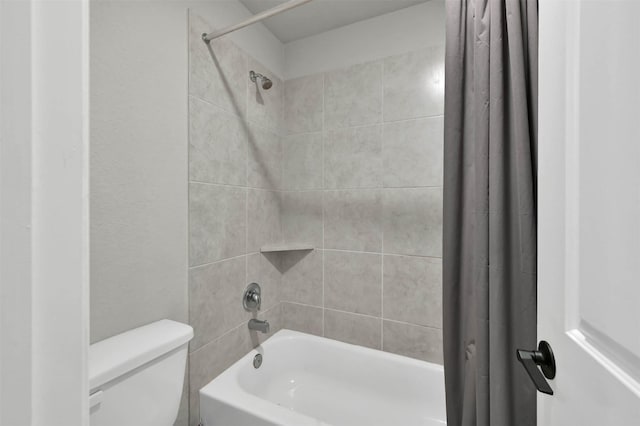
<point x="252" y="298"/>
<point x="544" y="358"/>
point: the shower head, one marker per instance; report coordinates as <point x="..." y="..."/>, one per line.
<point x="266" y="82"/>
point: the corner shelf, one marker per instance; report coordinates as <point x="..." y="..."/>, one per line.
<point x="274" y="248"/>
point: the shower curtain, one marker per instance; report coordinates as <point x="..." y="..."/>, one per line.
<point x="490" y="210"/>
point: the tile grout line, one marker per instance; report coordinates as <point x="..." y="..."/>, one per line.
<point x="359" y="126"/>
<point x="229" y="185"/>
<point x="246" y="121"/>
<point x="322" y="201"/>
<point x="189" y="118"/>
<point x="202" y="265"/>
<point x="412" y="324"/>
<point x="385" y="254"/>
<point x="246" y="176"/>
<point x="281" y="198"/>
<point x="382" y="206"/>
<point x="230" y="330"/>
<point x="373" y="317"/>
<point x="365" y="188"/>
<point x="281" y="194"/>
<point x="388" y="188"/>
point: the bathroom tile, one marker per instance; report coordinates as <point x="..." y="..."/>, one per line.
<point x="212" y="359"/>
<point x="413" y="152"/>
<point x="302" y="161"/>
<point x="261" y="270"/>
<point x="209" y="361"/>
<point x="414" y="84"/>
<point x="353" y="282"/>
<point x="216" y="230"/>
<point x="303" y="101"/>
<point x="218" y="71"/>
<point x="215" y="294"/>
<point x="266" y="107"/>
<point x="353" y="96"/>
<point x="307" y="319"/>
<point x="302" y="277"/>
<point x="265" y="158"/>
<point x="353" y="220"/>
<point x="413" y="221"/>
<point x="414" y="341"/>
<point x="412" y="290"/>
<point x="263" y="219"/>
<point x="302" y="217"/>
<point x="206" y="363"/>
<point x="353" y="158"/>
<point x="194" y="407"/>
<point x="274" y="316"/>
<point x="217" y="145"/>
<point x="352" y="328"/>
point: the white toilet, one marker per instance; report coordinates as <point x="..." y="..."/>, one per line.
<point x="136" y="378"/>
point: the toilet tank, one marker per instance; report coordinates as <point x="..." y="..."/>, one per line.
<point x="136" y="378"/>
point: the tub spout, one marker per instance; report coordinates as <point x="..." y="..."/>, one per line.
<point x="259" y="325"/>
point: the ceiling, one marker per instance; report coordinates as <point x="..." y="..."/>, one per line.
<point x="322" y="15"/>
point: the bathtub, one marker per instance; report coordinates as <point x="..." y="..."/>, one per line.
<point x="309" y="380"/>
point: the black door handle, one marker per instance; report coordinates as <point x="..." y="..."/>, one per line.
<point x="543" y="357"/>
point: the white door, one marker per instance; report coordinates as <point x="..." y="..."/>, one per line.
<point x="589" y="210"/>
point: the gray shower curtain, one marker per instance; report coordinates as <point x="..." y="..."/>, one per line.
<point x="490" y="210"/>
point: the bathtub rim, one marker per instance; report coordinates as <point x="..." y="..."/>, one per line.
<point x="225" y="389"/>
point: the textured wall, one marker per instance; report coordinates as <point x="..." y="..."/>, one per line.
<point x="138" y="168"/>
<point x="402" y="31"/>
<point x="139" y="155"/>
<point x="139" y="131"/>
<point x="362" y="182"/>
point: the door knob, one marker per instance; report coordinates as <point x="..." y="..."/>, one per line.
<point x="544" y="358"/>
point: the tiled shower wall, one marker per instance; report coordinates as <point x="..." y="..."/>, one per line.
<point x="235" y="152"/>
<point x="362" y="182"/>
<point x="349" y="161"/>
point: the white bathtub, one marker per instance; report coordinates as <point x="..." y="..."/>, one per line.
<point x="309" y="380"/>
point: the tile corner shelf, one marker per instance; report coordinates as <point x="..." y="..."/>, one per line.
<point x="272" y="248"/>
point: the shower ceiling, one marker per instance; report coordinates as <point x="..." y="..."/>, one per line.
<point x="322" y="15"/>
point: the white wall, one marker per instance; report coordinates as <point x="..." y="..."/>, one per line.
<point x="60" y="185"/>
<point x="139" y="146"/>
<point x="398" y="32"/>
<point x="43" y="191"/>
<point x="139" y="133"/>
<point x="256" y="39"/>
<point x="15" y="213"/>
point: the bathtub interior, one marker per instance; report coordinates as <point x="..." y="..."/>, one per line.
<point x="340" y="384"/>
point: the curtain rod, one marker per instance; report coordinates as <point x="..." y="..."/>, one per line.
<point x="207" y="37"/>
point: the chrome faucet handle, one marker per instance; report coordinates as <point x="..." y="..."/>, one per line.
<point x="252" y="298"/>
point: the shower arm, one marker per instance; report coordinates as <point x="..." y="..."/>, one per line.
<point x="207" y="37"/>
